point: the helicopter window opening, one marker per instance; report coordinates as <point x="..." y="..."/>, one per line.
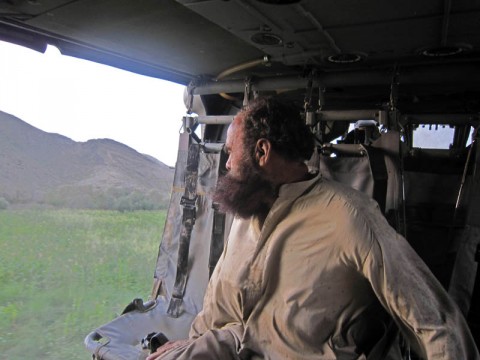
<point x="470" y="136"/>
<point x="359" y="132"/>
<point x="433" y="136"/>
<point x="341" y="138"/>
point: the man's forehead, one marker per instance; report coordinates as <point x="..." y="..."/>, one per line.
<point x="234" y="131"/>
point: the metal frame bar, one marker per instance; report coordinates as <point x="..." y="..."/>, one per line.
<point x="428" y="75"/>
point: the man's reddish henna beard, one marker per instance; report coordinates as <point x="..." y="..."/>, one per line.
<point x="250" y="194"/>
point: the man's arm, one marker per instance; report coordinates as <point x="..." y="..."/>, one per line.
<point x="218" y="344"/>
<point x="415" y="299"/>
<point x="169" y="346"/>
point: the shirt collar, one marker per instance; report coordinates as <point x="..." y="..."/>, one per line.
<point x="294" y="190"/>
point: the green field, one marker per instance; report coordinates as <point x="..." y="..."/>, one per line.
<point x="65" y="272"/>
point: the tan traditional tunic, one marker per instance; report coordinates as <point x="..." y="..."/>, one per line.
<point x="309" y="284"/>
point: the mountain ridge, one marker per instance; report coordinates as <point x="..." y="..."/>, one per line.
<point x="49" y="168"/>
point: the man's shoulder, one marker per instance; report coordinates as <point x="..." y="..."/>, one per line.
<point x="334" y="191"/>
<point x="333" y="200"/>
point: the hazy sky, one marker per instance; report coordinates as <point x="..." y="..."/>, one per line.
<point x="84" y="100"/>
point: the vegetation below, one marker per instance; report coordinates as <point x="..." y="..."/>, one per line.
<point x="111" y="199"/>
<point x="3" y="203"/>
<point x="65" y="272"/>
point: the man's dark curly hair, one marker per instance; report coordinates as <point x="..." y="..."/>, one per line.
<point x="281" y="124"/>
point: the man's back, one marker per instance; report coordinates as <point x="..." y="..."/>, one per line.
<point x="308" y="283"/>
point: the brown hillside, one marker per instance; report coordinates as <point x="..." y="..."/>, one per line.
<point x="40" y="167"/>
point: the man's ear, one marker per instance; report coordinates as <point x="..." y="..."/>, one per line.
<point x="263" y="151"/>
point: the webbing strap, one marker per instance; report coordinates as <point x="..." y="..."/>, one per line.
<point x="380" y="176"/>
<point x="189" y="215"/>
<point x="216" y="245"/>
<point x="473" y="317"/>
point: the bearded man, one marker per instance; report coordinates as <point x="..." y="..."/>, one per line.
<point x="311" y="269"/>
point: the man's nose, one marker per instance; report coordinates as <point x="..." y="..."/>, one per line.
<point x="228" y="165"/>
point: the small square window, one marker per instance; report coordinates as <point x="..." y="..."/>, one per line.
<point x="433" y="136"/>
